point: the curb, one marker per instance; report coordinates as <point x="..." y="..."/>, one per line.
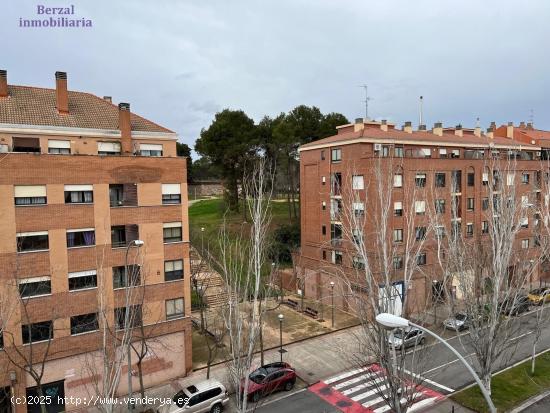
<point x="530" y="402"/>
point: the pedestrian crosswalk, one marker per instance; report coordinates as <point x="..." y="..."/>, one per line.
<point x="362" y="390"/>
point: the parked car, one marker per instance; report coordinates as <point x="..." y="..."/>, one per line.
<point x="539" y="295"/>
<point x="460" y="321"/>
<point x="206" y="396"/>
<point x="268" y="379"/>
<point x="515" y="305"/>
<point x="411" y="336"/>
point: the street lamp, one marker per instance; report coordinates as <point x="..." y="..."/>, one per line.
<point x="202" y="240"/>
<point x="134" y="243"/>
<point x="392" y="322"/>
<point x="332" y="300"/>
<point x="281" y="351"/>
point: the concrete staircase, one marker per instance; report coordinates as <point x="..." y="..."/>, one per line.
<point x="215" y="295"/>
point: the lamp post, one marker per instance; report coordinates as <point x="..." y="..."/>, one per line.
<point x="332" y="301"/>
<point x="137" y="243"/>
<point x="202" y="241"/>
<point x="392" y="322"/>
<point x="281" y="351"/>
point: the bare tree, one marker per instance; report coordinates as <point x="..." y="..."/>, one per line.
<point x="487" y="269"/>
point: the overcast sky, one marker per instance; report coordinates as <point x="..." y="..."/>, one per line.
<point x="179" y="62"/>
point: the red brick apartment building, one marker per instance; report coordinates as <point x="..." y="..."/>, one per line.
<point x="80" y="180"/>
<point x="428" y="158"/>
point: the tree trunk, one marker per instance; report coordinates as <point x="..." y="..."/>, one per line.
<point x="486" y="380"/>
<point x="40" y="394"/>
<point x="533" y="357"/>
<point x="140" y="373"/>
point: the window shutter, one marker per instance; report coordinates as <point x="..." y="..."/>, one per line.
<point x="24" y="191"/>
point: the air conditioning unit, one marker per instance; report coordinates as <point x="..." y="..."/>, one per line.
<point x="377" y="146"/>
<point x="538" y="153"/>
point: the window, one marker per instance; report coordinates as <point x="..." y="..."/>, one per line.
<point x="420" y="233"/>
<point x="82" y="280"/>
<point x="32" y="241"/>
<point x="421" y="259"/>
<point x="119" y="276"/>
<point x="426" y="152"/>
<point x="3" y="149"/>
<point x="132" y="312"/>
<point x="440" y="206"/>
<point x="420" y="207"/>
<point x="358" y="263"/>
<point x="324" y="230"/>
<point x="485" y="227"/>
<point x="398" y="209"/>
<point x="59" y="147"/>
<point x="336" y="155"/>
<point x="357" y="236"/>
<point x="336" y="233"/>
<point x="79" y="194"/>
<point x="36" y="286"/>
<point x="524" y="222"/>
<point x="146" y="149"/>
<point x="510" y="179"/>
<point x="324" y="205"/>
<point x="455" y="229"/>
<point x="525" y="178"/>
<point x="397" y="263"/>
<point x="80" y="237"/>
<point x="485" y="204"/>
<point x="84" y="323"/>
<point x="420" y="180"/>
<point x="122" y="195"/>
<point x="122" y="235"/>
<point x="358" y="182"/>
<point x="398" y="180"/>
<point x="336" y="183"/>
<point x="30" y="195"/>
<point x="456" y="181"/>
<point x="397" y="235"/>
<point x="385" y="151"/>
<point x="324" y="255"/>
<point x="440" y="179"/>
<point x="442" y="153"/>
<point x="470" y="204"/>
<point x="358" y="209"/>
<point x="173" y="270"/>
<point x="26" y="145"/>
<point x="174" y="308"/>
<point x="323" y="180"/>
<point x="485" y="178"/>
<point x="525" y="244"/>
<point x="108" y="148"/>
<point x="335" y="209"/>
<point x="398" y="151"/>
<point x="469" y="229"/>
<point x="322" y="155"/>
<point x="35" y="332"/>
<point x="439" y="231"/>
<point x="455" y="153"/>
<point x="172" y="232"/>
<point x="471" y="178"/>
<point x="171" y="194"/>
<point x="337" y="257"/>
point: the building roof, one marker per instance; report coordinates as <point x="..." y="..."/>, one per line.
<point x="37" y="106"/>
<point x="375" y="133"/>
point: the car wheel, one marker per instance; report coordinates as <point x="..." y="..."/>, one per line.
<point x="217" y="408"/>
<point x="422" y="341"/>
<point x="289" y="385"/>
<point x="256" y="397"/>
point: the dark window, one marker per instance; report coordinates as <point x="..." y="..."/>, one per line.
<point x="397" y="263"/>
<point x="385" y="151"/>
<point x="32" y="242"/>
<point x="471" y="178"/>
<point x="34" y="288"/>
<point x="470" y="202"/>
<point x="35" y="332"/>
<point x="469" y="229"/>
<point x="398" y="151"/>
<point x="485" y="227"/>
<point x="440" y="180"/>
<point x="456" y="181"/>
<point x="336" y="232"/>
<point x="82" y="280"/>
<point x="150" y="152"/>
<point x="84" y="323"/>
<point x="322" y="155"/>
<point x="324" y="230"/>
<point x="440" y="206"/>
<point x="398" y="209"/>
<point x="26" y="145"/>
<point x="122" y="235"/>
<point x="324" y="255"/>
<point x="336" y="155"/>
<point x="172" y="234"/>
<point x="30" y="200"/>
<point x="119" y="276"/>
<point x="79" y="197"/>
<point x="80" y="238"/>
<point x="123" y="195"/>
<point x="1" y="344"/>
<point x="134" y="316"/>
<point x="397" y="235"/>
<point x="420" y="233"/>
<point x="60" y="151"/>
<point x="336" y="183"/>
<point x="525" y="178"/>
<point x="420" y="180"/>
<point x="173" y="270"/>
<point x="174" y="308"/>
<point x="56" y="401"/>
<point x="338" y="257"/>
<point x="171" y="199"/>
<point x="485" y="204"/>
<point x="421" y="259"/>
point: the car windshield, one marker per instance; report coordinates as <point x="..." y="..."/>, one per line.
<point x="460" y="317"/>
<point x="538" y="291"/>
<point x="257" y="376"/>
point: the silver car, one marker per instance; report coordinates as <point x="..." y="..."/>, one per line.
<point x="411" y="336"/>
<point x="460" y="321"/>
<point x="207" y="396"/>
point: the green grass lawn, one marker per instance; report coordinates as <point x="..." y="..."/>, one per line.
<point x="511" y="387"/>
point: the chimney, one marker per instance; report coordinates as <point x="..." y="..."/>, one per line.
<point x="522" y="125"/>
<point x="384" y="125"/>
<point x="438" y="129"/>
<point x="493" y="125"/>
<point x="61" y="93"/>
<point x="422" y="128"/>
<point x="530" y="125"/>
<point x="3" y="83"/>
<point x="359" y="124"/>
<point x="407" y="127"/>
<point x="108" y="99"/>
<point x="477" y="131"/>
<point x="458" y="130"/>
<point x="490" y="132"/>
<point x="510" y="130"/>
<point x="125" y="128"/>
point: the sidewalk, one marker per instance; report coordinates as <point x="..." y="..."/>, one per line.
<point x="447" y="406"/>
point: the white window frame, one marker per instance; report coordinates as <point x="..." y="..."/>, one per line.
<point x="398" y="180"/>
<point x="358" y="182"/>
<point x="174" y="303"/>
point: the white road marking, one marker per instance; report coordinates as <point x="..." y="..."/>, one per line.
<point x="354" y="380"/>
<point x="344" y="375"/>
<point x="369" y="393"/>
<point x="446" y="364"/>
<point x="403" y="400"/>
<point x="433" y="383"/>
<point x="422" y="403"/>
<point x="521" y="335"/>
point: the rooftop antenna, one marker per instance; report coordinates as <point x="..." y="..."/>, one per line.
<point x="531" y="116"/>
<point x="421" y="102"/>
<point x="477" y="122"/>
<point x="366" y="101"/>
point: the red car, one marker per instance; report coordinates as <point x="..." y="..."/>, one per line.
<point x="268" y="379"/>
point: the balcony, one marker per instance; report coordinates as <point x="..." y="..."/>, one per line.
<point x="121" y="195"/>
<point x="121" y="235"/>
